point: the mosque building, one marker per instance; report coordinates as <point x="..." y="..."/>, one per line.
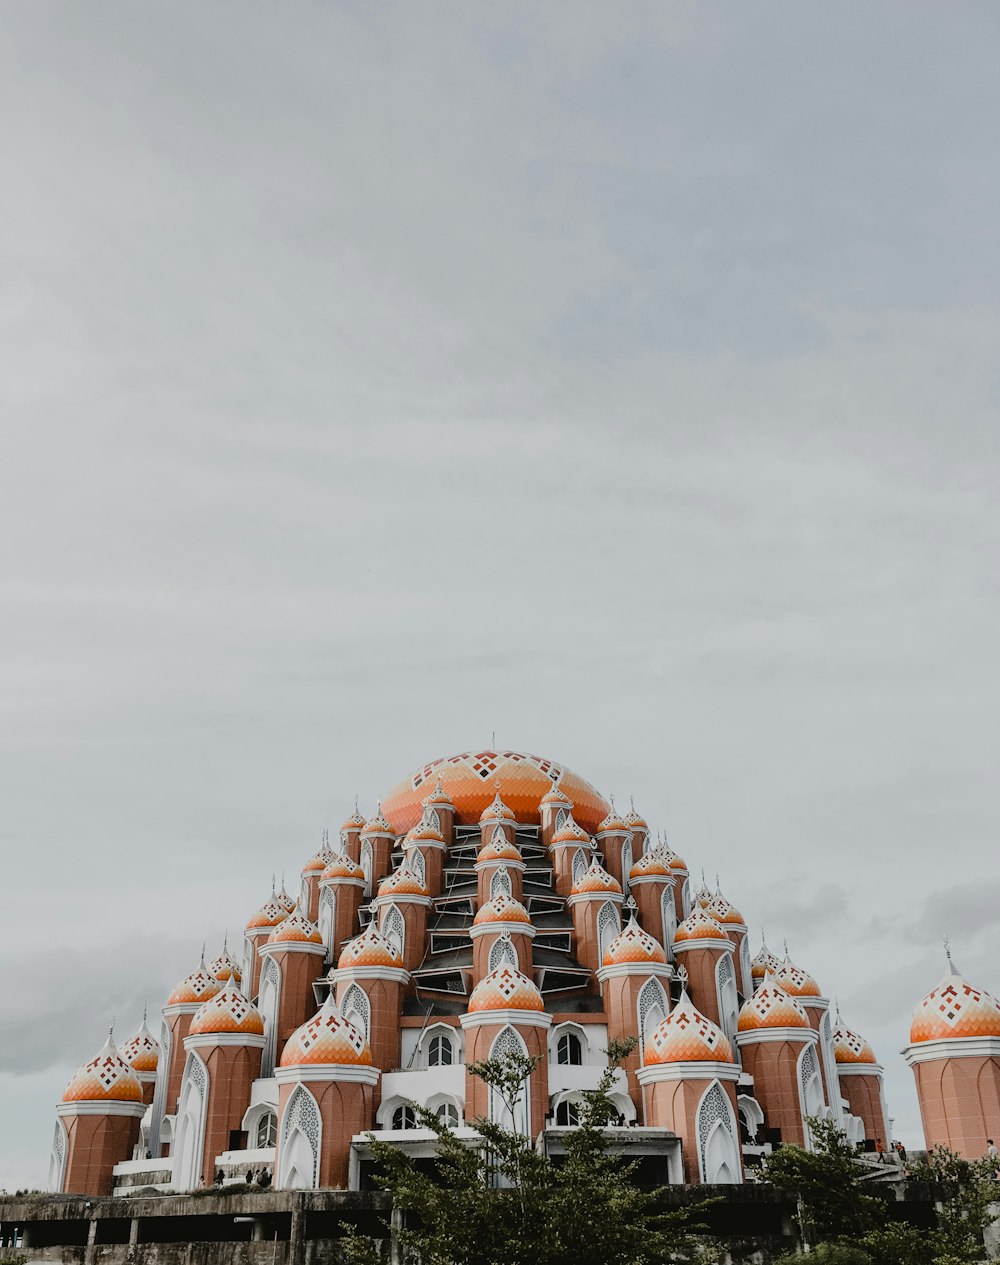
<point x="495" y="902"/>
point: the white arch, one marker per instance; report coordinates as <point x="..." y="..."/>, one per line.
<point x="190" y="1128"/>
<point x="160" y="1091"/>
<point x="57" y="1160"/>
<point x="652" y="1007"/>
<point x="304" y="894"/>
<point x="668" y="917"/>
<point x="366" y="864"/>
<point x="830" y="1067"/>
<point x="328" y="919"/>
<point x="751" y="1112"/>
<point x="626" y="864"/>
<point x="433" y="818"/>
<point x="437" y="1101"/>
<point x="247" y="972"/>
<point x="746" y="967"/>
<point x="509" y="1041"/>
<point x="560" y="818"/>
<point x="502" y="952"/>
<point x="270" y="997"/>
<point x="452" y="1035"/>
<point x="299" y="1142"/>
<point x="417" y="864"/>
<point x="718" y="1148"/>
<point x="686" y="897"/>
<point x="608" y="926"/>
<point x="356" y="1009"/>
<point x="562" y="1030"/>
<point x="393" y="927"/>
<point x="811" y="1096"/>
<point x="579" y="864"/>
<point x="500" y="882"/>
<point x="729" y="1002"/>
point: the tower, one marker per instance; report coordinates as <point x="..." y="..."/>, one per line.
<point x="861" y="1082"/>
<point x="500" y="856"/>
<point x="183" y="1003"/>
<point x="594" y="904"/>
<point x="506" y="918"/>
<point x="370" y="979"/>
<point x="651" y="884"/>
<point x="293" y="956"/>
<point x="570" y="849"/>
<point x="702" y="947"/>
<point x="614" y="841"/>
<point x="341" y="887"/>
<point x="142" y="1053"/>
<point x="401" y="907"/>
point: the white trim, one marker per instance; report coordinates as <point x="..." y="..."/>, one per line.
<point x="642" y="880"/>
<point x="496" y="928"/>
<point x="581" y="897"/>
<point x="342" y="879"/>
<point x="513" y="1018"/>
<point x="732" y="1128"/>
<point x="498" y="861"/>
<point x="395" y="974"/>
<point x="951" y="1048"/>
<point x="703" y="1069"/>
<point x="298" y="1073"/>
<point x="685" y="946"/>
<point x="293" y="946"/>
<point x="92" y="1107"/>
<point x="401" y="898"/>
<point x="205" y="1040"/>
<point x="188" y="1007"/>
<point x="860" y="1069"/>
<point x="662" y="969"/>
<point x="808" y="1036"/>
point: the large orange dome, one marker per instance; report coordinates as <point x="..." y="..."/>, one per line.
<point x="471" y="777"/>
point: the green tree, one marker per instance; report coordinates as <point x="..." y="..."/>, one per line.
<point x="507" y="1202"/>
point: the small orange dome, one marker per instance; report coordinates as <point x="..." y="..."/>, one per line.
<point x="224" y="967"/>
<point x="497" y="811"/>
<point x="196" y="987"/>
<point x="613" y="822"/>
<point x="327" y="1039"/>
<point x="955" y="1009"/>
<point x="228" y="1011"/>
<point x="106" y="1078"/>
<point x="795" y="981"/>
<point x="676" y="862"/>
<point x="269" y="914"/>
<point x="764" y="961"/>
<point x="295" y="929"/>
<point x="315" y="865"/>
<point x="725" y="911"/>
<point x="438" y="797"/>
<point x="505" y="989"/>
<point x="340" y="865"/>
<point x="686" y="1036"/>
<point x="556" y="797"/>
<point x="653" y="862"/>
<point x="571" y="832"/>
<point x="502" y="908"/>
<point x="284" y="900"/>
<point x="142" y="1052"/>
<point x="699" y="925"/>
<point x="848" y="1047"/>
<point x="402" y="882"/>
<point x="632" y="944"/>
<point x="635" y="821"/>
<point x="595" y="879"/>
<point x="354" y="822"/>
<point x="771" y="1007"/>
<point x="423" y="832"/>
<point x="371" y="948"/>
<point x="377" y="825"/>
<point x="703" y="896"/>
<point x="499" y="848"/>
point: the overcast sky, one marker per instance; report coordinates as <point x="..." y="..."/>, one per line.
<point x="620" y="378"/>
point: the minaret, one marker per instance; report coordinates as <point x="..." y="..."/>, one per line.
<point x="702" y="946"/>
<point x="594" y="904"/>
<point x="260" y="926"/>
<point x="341" y="888"/>
<point x="571" y="852"/>
<point x="371" y="965"/>
<point x="501" y="853"/>
<point x="224" y="1049"/>
<point x="651" y="883"/>
<point x="377" y="840"/>
<point x="631" y="961"/>
<point x="682" y="885"/>
<point x="326" y="1094"/>
<point x="426" y="841"/>
<point x="97" y="1124"/>
<point x="182" y="1005"/>
<point x="506" y="1015"/>
<point x="293" y="956"/>
<point x="861" y="1079"/>
<point x="440" y="811"/>
<point x="402" y="907"/>
<point x="734" y="925"/>
<point x="555" y="804"/>
<point x="801" y="985"/>
<point x="954" y="1051"/>
<point x="638" y="828"/>
<point x="497" y="814"/>
<point x="225" y="967"/>
<point x="764" y="962"/>
<point x="142" y="1054"/>
<point x="503" y="916"/>
<point x="350" y="834"/>
<point x="778" y="1046"/>
<point x="614" y="842"/>
<point x="312" y="872"/>
<point x="688" y="1081"/>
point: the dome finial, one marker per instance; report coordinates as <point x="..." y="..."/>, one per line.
<point x="111" y="1030"/>
<point x="787" y="955"/>
<point x="947" y="952"/>
<point x="682" y="977"/>
<point x="225" y="941"/>
<point x="203" y="954"/>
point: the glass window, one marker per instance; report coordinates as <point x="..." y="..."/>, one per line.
<point x="439" y="1051"/>
<point x="404" y="1118"/>
<point x="568" y="1113"/>
<point x="447" y="1113"/>
<point x="569" y="1049"/>
<point x="267" y="1130"/>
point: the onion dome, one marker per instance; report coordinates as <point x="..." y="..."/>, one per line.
<point x="556" y="797"/>
<point x="795" y="981"/>
<point x="655" y="861"/>
<point x="703" y="896"/>
<point x="106" y="1078"/>
<point x="725" y="911"/>
<point x="225" y="967"/>
<point x="286" y="902"/>
<point x="686" y="1036"/>
<point x="295" y="929"/>
<point x="571" y="832"/>
<point x="371" y="948"/>
<point x="595" y="879"/>
<point x="327" y="1038"/>
<point x="423" y="832"/>
<point x="502" y="908"/>
<point x="315" y="865"/>
<point x="699" y="925"/>
<point x="377" y="825"/>
<point x="499" y="848"/>
<point x="402" y="882"/>
<point x="438" y="798"/>
<point x="228" y="1011"/>
<point x="764" y="961"/>
<point x="632" y="944"/>
<point x="505" y="989"/>
<point x="340" y="865"/>
<point x="848" y="1047"/>
<point x="771" y="1007"/>
<point x="634" y="821"/>
<point x="354" y="822"/>
<point x="269" y="915"/>
<point x="142" y="1052"/>
<point x="955" y="1009"/>
<point x="497" y="811"/>
<point x="613" y="821"/>
<point x="195" y="988"/>
<point x="676" y="862"/>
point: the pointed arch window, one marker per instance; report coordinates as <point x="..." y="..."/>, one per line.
<point x="503" y="953"/>
<point x="356" y="1009"/>
<point x="718" y="1149"/>
<point x="653" y="1007"/>
<point x="608" y="926"/>
<point x="500" y="883"/>
<point x="301" y="1135"/>
<point x="394" y="928"/>
<point x="579" y="864"/>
